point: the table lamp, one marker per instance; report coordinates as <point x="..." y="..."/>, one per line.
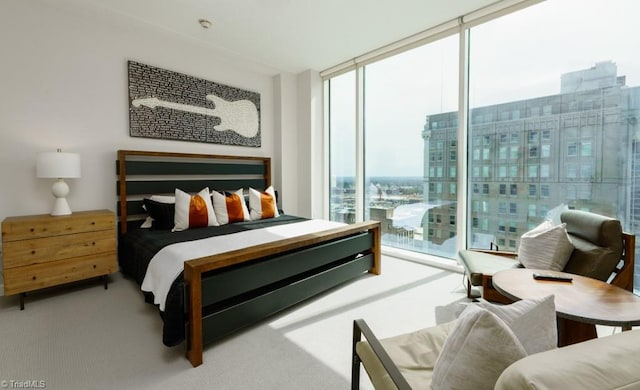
<point x="60" y="166"/>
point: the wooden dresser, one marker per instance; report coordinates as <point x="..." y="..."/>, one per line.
<point x="42" y="250"/>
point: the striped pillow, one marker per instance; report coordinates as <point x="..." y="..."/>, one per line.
<point x="546" y="247"/>
<point x="263" y="205"/>
<point x="193" y="211"/>
<point x="230" y="208"/>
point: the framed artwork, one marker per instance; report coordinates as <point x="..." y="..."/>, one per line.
<point x="174" y="106"/>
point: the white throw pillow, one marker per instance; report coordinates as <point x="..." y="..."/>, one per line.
<point x="263" y="205"/>
<point x="533" y="321"/>
<point x="546" y="247"/>
<point x="488" y="338"/>
<point x="193" y="211"/>
<point x="230" y="208"/>
<point x="476" y="352"/>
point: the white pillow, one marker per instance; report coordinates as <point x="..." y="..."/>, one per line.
<point x="163" y="198"/>
<point x="263" y="205"/>
<point x="488" y="338"/>
<point x="476" y="352"/>
<point x="193" y="211"/>
<point x="546" y="247"/>
<point x="230" y="208"/>
<point x="533" y="321"/>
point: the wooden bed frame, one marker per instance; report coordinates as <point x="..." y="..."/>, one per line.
<point x="231" y="290"/>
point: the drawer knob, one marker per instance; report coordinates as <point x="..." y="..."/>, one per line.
<point x="94" y="266"/>
<point x="93" y="222"/>
<point x="33" y="278"/>
<point x="93" y="243"/>
<point x="33" y="252"/>
<point x="32" y="230"/>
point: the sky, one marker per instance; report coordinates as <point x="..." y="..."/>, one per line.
<point x="519" y="56"/>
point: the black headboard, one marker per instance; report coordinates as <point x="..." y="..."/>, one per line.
<point x="143" y="173"/>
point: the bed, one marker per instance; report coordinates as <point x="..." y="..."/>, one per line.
<point x="219" y="293"/>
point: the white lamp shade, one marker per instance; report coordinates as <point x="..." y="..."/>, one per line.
<point x="58" y="165"/>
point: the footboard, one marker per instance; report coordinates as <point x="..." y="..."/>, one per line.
<point x="231" y="290"/>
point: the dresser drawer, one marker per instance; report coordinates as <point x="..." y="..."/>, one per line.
<point x="33" y="277"/>
<point x="37" y="226"/>
<point x="42" y="250"/>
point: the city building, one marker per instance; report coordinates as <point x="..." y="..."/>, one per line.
<point x="530" y="159"/>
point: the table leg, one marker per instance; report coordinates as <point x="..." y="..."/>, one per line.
<point x="572" y="332"/>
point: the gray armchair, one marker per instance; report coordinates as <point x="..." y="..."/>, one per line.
<point x="602" y="251"/>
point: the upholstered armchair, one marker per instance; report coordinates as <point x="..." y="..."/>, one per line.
<point x="601" y="251"/>
<point x="408" y="361"/>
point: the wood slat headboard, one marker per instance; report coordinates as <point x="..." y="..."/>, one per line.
<point x="144" y="173"/>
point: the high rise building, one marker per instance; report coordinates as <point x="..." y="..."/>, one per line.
<point x="529" y="158"/>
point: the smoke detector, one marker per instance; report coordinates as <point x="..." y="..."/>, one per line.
<point x="204" y="23"/>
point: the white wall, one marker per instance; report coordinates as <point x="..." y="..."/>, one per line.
<point x="286" y="142"/>
<point x="63" y="74"/>
<point x="310" y="142"/>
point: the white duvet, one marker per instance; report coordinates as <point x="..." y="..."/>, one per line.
<point x="168" y="263"/>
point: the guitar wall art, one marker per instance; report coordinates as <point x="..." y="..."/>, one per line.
<point x="169" y="105"/>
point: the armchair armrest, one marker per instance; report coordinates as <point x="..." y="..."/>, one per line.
<point x="360" y="328"/>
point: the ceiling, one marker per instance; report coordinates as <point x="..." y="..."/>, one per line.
<point x="294" y="35"/>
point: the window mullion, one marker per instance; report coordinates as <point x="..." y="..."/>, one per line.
<point x="462" y="163"/>
<point x="360" y="203"/>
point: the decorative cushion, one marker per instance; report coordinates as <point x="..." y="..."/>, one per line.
<point x="497" y="336"/>
<point x="476" y="352"/>
<point x="230" y="208"/>
<point x="193" y="211"/>
<point x="263" y="205"/>
<point x="161" y="214"/>
<point x="533" y="321"/>
<point x="545" y="247"/>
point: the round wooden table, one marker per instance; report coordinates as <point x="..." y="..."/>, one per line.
<point x="580" y="304"/>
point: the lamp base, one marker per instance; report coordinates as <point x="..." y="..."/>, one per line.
<point x="61" y="207"/>
<point x="60" y="190"/>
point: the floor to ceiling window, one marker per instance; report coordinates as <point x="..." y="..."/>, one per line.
<point x="551" y="116"/>
<point x="554" y="99"/>
<point x="410" y="172"/>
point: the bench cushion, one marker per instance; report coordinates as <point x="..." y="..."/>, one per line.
<point x="479" y="263"/>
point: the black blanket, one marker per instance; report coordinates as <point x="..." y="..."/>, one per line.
<point x="137" y="247"/>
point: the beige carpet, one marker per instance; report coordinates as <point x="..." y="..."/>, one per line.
<point x="85" y="337"/>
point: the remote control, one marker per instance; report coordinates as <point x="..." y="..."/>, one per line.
<point x="551" y="277"/>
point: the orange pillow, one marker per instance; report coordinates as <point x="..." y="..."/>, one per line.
<point x="263" y="205"/>
<point x="193" y="211"/>
<point x="230" y="208"/>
